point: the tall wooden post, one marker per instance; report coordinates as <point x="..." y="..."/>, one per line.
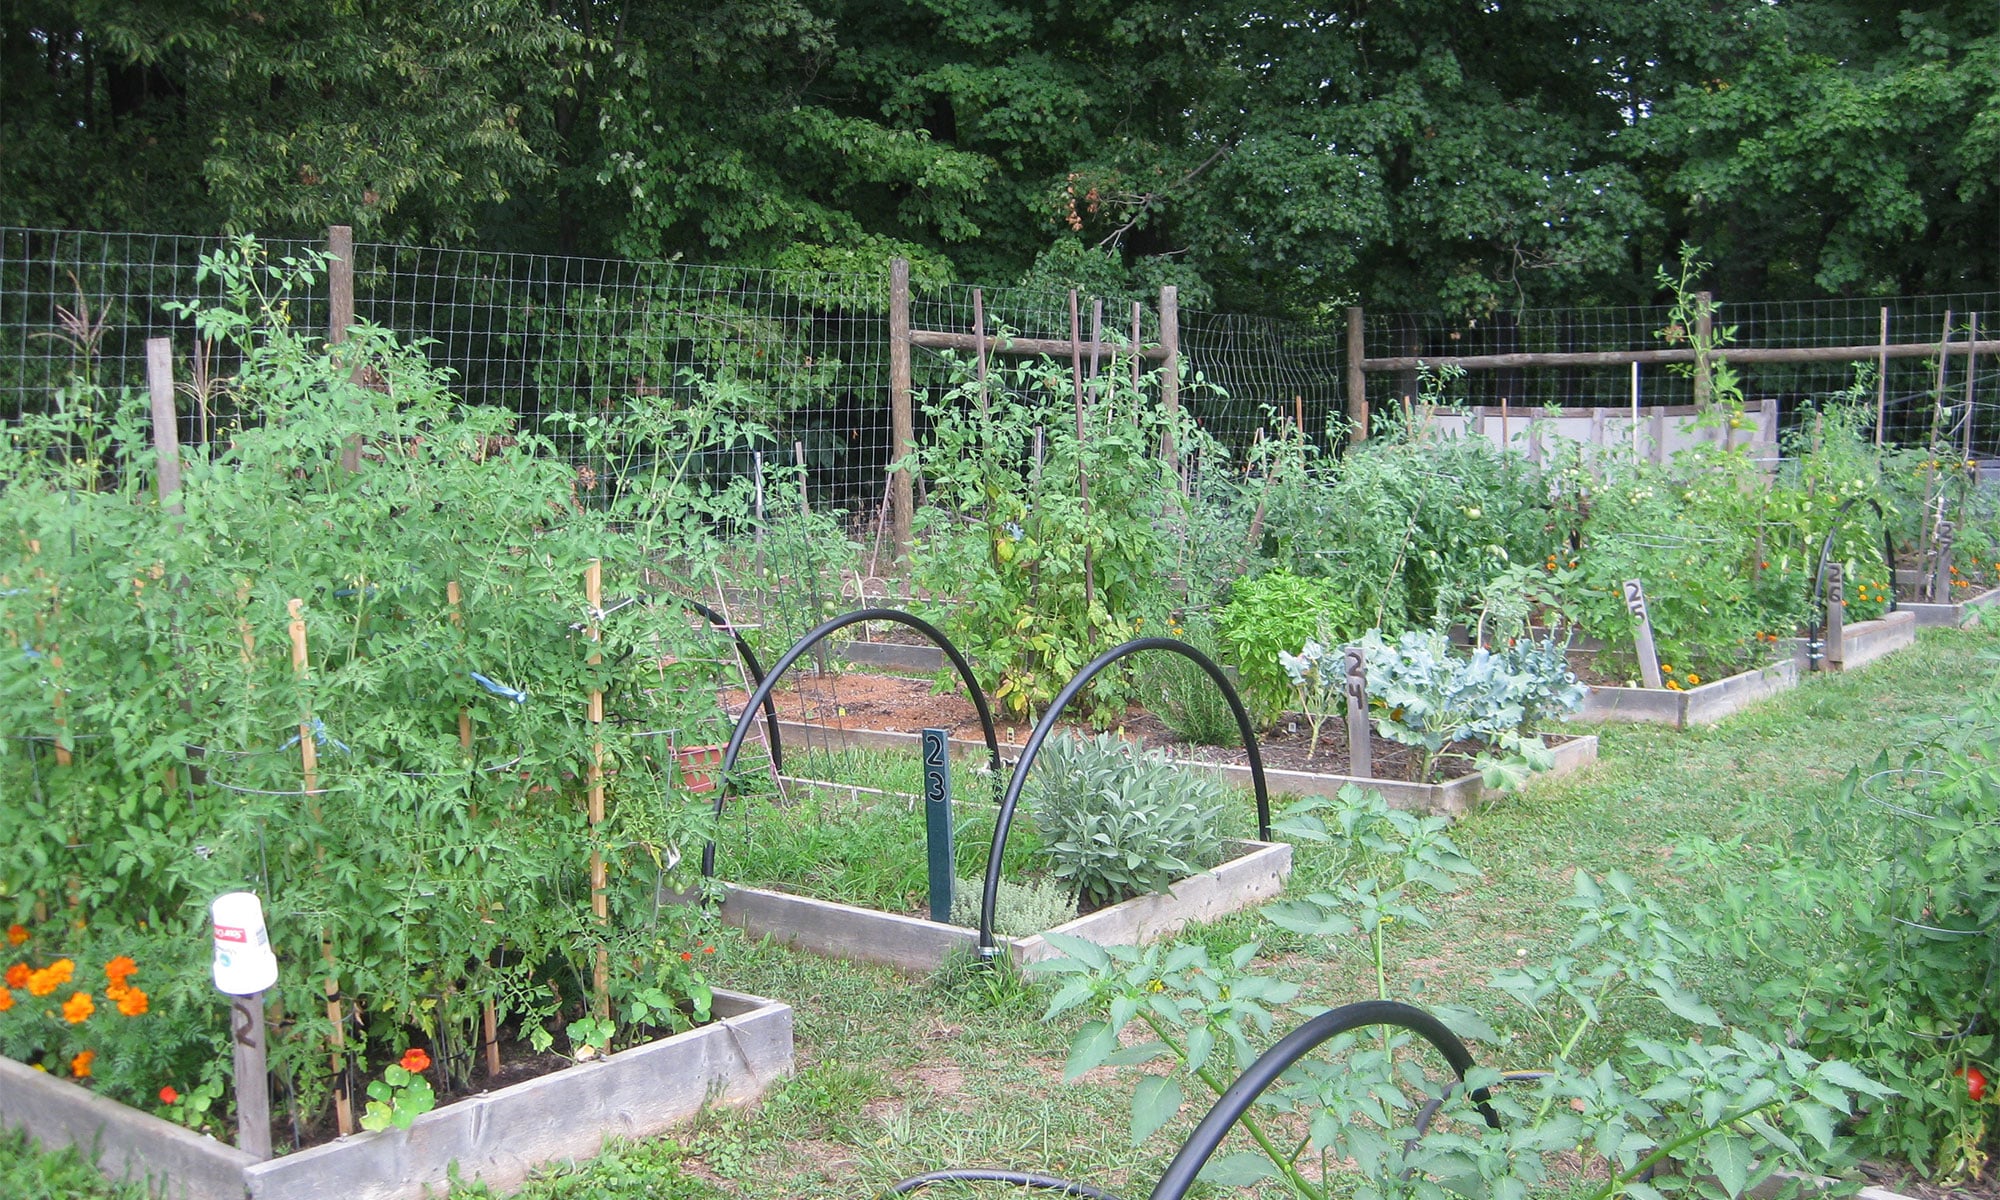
<point x="1357" y="379"/>
<point x="1971" y="374"/>
<point x="600" y="907"/>
<point x="1882" y="379"/>
<point x="1170" y="371"/>
<point x="166" y="424"/>
<point x="340" y="312"/>
<point x="1704" y="329"/>
<point x="902" y="426"/>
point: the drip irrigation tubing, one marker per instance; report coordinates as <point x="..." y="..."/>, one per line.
<point x="1004" y="822"/>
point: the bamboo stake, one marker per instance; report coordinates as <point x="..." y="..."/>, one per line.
<point x="343" y="1107"/>
<point x="600" y="909"/>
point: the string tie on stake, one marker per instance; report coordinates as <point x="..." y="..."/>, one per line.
<point x="499" y="689"/>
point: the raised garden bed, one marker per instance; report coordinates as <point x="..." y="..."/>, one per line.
<point x="496" y="1137"/>
<point x="879" y="712"/>
<point x="1704" y="704"/>
<point x="1950" y="616"/>
<point x="1256" y="872"/>
<point x="1863" y="642"/>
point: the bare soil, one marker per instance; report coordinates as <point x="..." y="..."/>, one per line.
<point x="856" y="700"/>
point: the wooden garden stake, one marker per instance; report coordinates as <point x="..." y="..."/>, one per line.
<point x="600" y="908"/>
<point x="937" y="820"/>
<point x="979" y="342"/>
<point x="343" y="1107"/>
<point x="1360" y="753"/>
<point x="489" y="1020"/>
<point x="1635" y="412"/>
<point x="1642" y="637"/>
<point x="1082" y="476"/>
<point x="252" y="1090"/>
<point x="799" y="453"/>
<point x="1835" y="652"/>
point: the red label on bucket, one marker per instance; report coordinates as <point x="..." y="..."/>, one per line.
<point x="229" y="933"/>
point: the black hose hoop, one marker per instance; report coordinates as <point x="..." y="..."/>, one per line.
<point x="1273" y="1063"/>
<point x="718" y="621"/>
<point x="1817" y="603"/>
<point x="1022" y="1179"/>
<point x="1004" y="822"/>
<point x="769" y="684"/>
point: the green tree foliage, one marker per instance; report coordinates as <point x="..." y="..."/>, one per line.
<point x="1277" y="159"/>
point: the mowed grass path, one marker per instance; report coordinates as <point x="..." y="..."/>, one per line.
<point x="900" y="1075"/>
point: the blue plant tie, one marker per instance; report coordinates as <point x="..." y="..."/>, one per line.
<point x="320" y="738"/>
<point x="28" y="651"/>
<point x="499" y="689"/>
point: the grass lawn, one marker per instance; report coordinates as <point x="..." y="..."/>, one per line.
<point x="900" y="1075"/>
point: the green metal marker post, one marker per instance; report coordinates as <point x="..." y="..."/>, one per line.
<point x="937" y="820"/>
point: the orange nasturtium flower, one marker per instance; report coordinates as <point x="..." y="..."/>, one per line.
<point x="169" y="1096"/>
<point x="121" y="968"/>
<point x="77" y="1009"/>
<point x="415" y="1061"/>
<point x="17" y="975"/>
<point x="131" y="1002"/>
<point x="80" y="1065"/>
<point x="16" y="934"/>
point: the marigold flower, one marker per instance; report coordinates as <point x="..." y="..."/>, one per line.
<point x="17" y="975"/>
<point x="169" y="1096"/>
<point x="1693" y="680"/>
<point x="77" y="1009"/>
<point x="6" y="1000"/>
<point x="80" y="1065"/>
<point x="51" y="977"/>
<point x="415" y="1061"/>
<point x="16" y="934"/>
<point x="132" y="1003"/>
<point x="116" y="992"/>
<point x="119" y="969"/>
<point x="708" y="949"/>
<point x="687" y="956"/>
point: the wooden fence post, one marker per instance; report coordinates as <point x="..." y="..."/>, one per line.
<point x="340" y="312"/>
<point x="166" y="428"/>
<point x="1170" y="374"/>
<point x="902" y="426"/>
<point x="1357" y="380"/>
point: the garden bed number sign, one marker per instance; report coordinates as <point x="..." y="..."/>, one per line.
<point x="1642" y="636"/>
<point x="937" y="820"/>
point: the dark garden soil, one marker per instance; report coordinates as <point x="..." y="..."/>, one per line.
<point x="855" y="701"/>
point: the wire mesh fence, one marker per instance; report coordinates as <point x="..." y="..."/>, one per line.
<point x="1915" y="407"/>
<point x="562" y="340"/>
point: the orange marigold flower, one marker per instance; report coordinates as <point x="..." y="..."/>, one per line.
<point x="49" y="978"/>
<point x="1693" y="680"/>
<point x="17" y="975"/>
<point x="415" y="1061"/>
<point x="16" y="934"/>
<point x="119" y="969"/>
<point x="6" y="1000"/>
<point x="77" y="1009"/>
<point x="687" y="956"/>
<point x="80" y="1065"/>
<point x="132" y="1003"/>
<point x="116" y="992"/>
<point x="708" y="949"/>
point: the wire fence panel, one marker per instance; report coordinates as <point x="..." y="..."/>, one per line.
<point x="580" y="348"/>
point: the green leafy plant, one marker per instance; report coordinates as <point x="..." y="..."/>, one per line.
<point x="1650" y="1115"/>
<point x="1422" y="693"/>
<point x="1272" y="614"/>
<point x="1182" y="695"/>
<point x="1117" y="822"/>
<point x="1023" y="907"/>
<point x="1047" y="524"/>
<point x="402" y="1094"/>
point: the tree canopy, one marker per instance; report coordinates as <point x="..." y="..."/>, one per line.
<point x="1279" y="158"/>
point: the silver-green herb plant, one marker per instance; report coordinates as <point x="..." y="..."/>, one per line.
<point x="1120" y="822"/>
